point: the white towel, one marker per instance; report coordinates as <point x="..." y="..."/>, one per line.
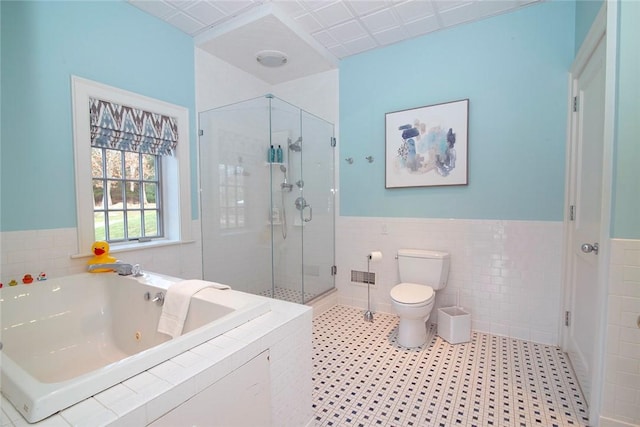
<point x="176" y="304"/>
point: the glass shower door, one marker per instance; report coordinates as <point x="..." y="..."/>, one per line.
<point x="286" y="237"/>
<point x="315" y="208"/>
<point x="303" y="201"/>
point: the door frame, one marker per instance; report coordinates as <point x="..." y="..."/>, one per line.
<point x="604" y="25"/>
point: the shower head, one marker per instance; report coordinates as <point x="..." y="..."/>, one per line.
<point x="296" y="146"/>
<point x="285" y="186"/>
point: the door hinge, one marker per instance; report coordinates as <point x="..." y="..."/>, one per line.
<point x="575" y="104"/>
<point x="567" y="318"/>
<point x="200" y="132"/>
<point x="334" y="270"/>
<point x="572" y="213"/>
<point x="333" y="141"/>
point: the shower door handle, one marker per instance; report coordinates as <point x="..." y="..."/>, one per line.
<point x="310" y="213"/>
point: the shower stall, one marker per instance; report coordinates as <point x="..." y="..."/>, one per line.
<point x="267" y="196"/>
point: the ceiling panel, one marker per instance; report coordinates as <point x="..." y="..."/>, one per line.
<point x="379" y="21"/>
<point x="319" y="32"/>
<point x="333" y="14"/>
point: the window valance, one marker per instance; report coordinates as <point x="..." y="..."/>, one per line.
<point x="126" y="128"/>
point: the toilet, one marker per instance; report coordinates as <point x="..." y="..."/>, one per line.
<point x="422" y="273"/>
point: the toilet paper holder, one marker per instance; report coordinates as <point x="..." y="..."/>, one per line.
<point x="371" y="256"/>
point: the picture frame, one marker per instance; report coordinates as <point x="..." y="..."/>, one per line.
<point x="427" y="146"/>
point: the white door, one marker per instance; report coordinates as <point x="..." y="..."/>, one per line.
<point x="584" y="230"/>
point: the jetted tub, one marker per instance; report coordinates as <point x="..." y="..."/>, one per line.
<point x="67" y="339"/>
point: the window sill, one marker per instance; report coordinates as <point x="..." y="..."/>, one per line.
<point x="129" y="247"/>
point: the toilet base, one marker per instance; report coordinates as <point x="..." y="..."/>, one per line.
<point x="412" y="332"/>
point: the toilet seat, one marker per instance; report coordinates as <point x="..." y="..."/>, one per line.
<point x="412" y="293"/>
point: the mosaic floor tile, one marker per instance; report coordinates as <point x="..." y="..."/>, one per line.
<point x="285" y="294"/>
<point x="362" y="377"/>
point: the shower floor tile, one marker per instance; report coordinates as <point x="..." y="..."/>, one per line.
<point x="362" y="377"/>
<point x="290" y="295"/>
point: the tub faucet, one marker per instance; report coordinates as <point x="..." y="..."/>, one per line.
<point x="121" y="268"/>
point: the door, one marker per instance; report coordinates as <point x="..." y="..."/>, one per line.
<point x="303" y="198"/>
<point x="316" y="206"/>
<point x="582" y="305"/>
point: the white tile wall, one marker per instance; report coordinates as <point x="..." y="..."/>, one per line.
<point x="621" y="395"/>
<point x="50" y="251"/>
<point x="291" y="373"/>
<point x="506" y="273"/>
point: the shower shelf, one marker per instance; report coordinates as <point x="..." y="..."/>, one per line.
<point x="273" y="164"/>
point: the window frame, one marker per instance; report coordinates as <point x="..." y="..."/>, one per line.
<point x="175" y="186"/>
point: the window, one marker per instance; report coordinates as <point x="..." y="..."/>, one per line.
<point x="127" y="202"/>
<point x="231" y="196"/>
<point x="129" y="195"/>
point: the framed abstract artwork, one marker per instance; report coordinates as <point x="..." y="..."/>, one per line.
<point x="427" y="146"/>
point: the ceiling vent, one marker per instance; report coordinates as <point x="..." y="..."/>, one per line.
<point x="271" y="58"/>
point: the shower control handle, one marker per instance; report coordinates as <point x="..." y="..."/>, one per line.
<point x="301" y="203"/>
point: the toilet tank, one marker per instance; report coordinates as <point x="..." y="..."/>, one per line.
<point x="424" y="267"/>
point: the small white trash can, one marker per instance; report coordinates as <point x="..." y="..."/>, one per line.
<point x="454" y="324"/>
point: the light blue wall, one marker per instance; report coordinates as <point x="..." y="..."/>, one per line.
<point x="43" y="44"/>
<point x="626" y="189"/>
<point x="513" y="68"/>
<point x="586" y="12"/>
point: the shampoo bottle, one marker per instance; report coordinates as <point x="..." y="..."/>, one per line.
<point x="271" y="156"/>
<point x="279" y="154"/>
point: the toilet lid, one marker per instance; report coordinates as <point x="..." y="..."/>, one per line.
<point x="411" y="293"/>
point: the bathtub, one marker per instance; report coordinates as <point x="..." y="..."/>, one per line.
<point x="67" y="339"/>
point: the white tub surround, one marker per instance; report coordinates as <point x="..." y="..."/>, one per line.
<point x="505" y="273"/>
<point x="284" y="331"/>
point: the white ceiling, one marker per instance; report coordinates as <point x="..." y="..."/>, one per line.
<point x="314" y="34"/>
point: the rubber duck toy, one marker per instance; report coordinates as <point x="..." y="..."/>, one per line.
<point x="42" y="276"/>
<point x="13" y="282"/>
<point x="100" y="251"/>
<point x="27" y="279"/>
